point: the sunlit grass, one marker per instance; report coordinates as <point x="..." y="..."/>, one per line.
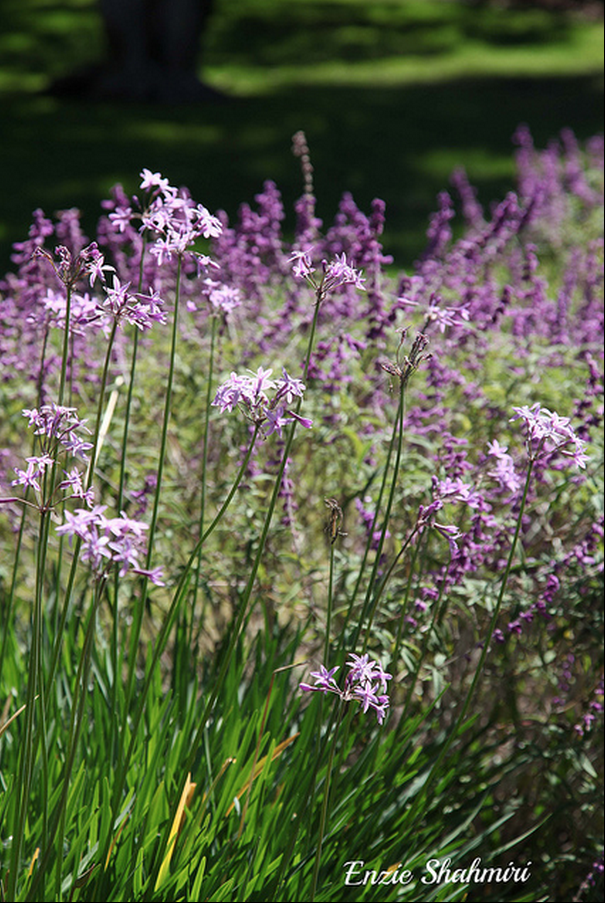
<point x="378" y="87"/>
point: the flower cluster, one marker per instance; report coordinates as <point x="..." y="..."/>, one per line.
<point x="138" y="309"/>
<point x="548" y="434"/>
<point x="173" y="217"/>
<point x="366" y="683"/>
<point x="59" y="425"/>
<point x="70" y="268"/>
<point x="109" y="541"/>
<point x="263" y="400"/>
<point x="504" y="469"/>
<point x="336" y="272"/>
<point x="59" y="430"/>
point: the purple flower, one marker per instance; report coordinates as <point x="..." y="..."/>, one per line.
<point x="275" y="420"/>
<point x="108" y="541"/>
<point x="366" y="682"/>
<point x="504" y="471"/>
<point x="339" y="272"/>
<point x="367" y="670"/>
<point x="547" y="434"/>
<point x="151" y="180"/>
<point x="262" y="399"/>
<point x="73" y="482"/>
<point x="290" y="387"/>
<point x="224" y="298"/>
<point x="121" y="217"/>
<point x="324" y="680"/>
<point x="445" y="316"/>
<point x="36" y="467"/>
<point x="138" y="309"/>
<point x="56" y="424"/>
<point x="303" y="264"/>
<point x="174" y="218"/>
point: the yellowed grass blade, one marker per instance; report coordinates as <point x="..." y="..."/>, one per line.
<point x="177" y="824"/>
<point x="260" y="765"/>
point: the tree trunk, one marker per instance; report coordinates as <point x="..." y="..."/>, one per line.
<point x="153" y="53"/>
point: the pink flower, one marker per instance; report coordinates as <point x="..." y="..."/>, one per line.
<point x="365" y="683"/>
<point x="547" y="433"/>
<point x="303" y="264"/>
<point x="262" y="399"/>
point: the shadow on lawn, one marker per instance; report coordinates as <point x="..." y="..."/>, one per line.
<point x="399" y="144"/>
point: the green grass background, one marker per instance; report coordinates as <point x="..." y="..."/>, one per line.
<point x="392" y="94"/>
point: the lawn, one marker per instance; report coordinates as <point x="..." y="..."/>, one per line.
<point x="392" y="96"/>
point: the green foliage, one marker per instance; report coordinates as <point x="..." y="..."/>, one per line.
<point x="165" y="751"/>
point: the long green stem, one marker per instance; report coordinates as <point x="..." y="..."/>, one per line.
<point x="27" y="752"/>
<point x="325" y="807"/>
<point x="120" y="500"/>
<point x="7" y="614"/>
<point x="140" y="608"/>
<point x="329" y="608"/>
<point x="435" y="770"/>
<point x="77" y="543"/>
<point x="243" y="609"/>
<point x="362" y="567"/>
<point x="179" y="595"/>
<point x="36" y="685"/>
<point x="405" y="603"/>
<point x="412" y="678"/>
<point x="78" y="703"/>
<point x="381" y="587"/>
<point x="205" y="457"/>
<point x="65" y="355"/>
<point x="367" y="605"/>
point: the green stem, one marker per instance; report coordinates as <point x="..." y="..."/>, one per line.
<point x="329" y="610"/>
<point x="435" y="770"/>
<point x="198" y="568"/>
<point x="77" y="543"/>
<point x="381" y="587"/>
<point x="7" y="615"/>
<point x="101" y="404"/>
<point x="78" y="704"/>
<point x="243" y="610"/>
<point x="405" y="603"/>
<point x="121" y="487"/>
<point x="414" y="677"/>
<point x="140" y="608"/>
<point x="65" y="354"/>
<point x="343" y="633"/>
<point x="325" y="805"/>
<point x="387" y="514"/>
<point x="27" y="752"/>
<point x="179" y="595"/>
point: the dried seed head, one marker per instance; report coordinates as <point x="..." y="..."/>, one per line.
<point x="333" y="526"/>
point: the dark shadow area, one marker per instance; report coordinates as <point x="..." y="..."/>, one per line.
<point x="399" y="144"/>
<point x="245" y="33"/>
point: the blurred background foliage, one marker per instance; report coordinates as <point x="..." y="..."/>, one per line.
<point x="392" y="94"/>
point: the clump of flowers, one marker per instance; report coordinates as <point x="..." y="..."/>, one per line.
<point x="336" y="272"/>
<point x="548" y="434"/>
<point x="172" y="217"/>
<point x="107" y="541"/>
<point x="365" y="683"/>
<point x="263" y="400"/>
<point x="58" y="430"/>
<point x="57" y="425"/>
